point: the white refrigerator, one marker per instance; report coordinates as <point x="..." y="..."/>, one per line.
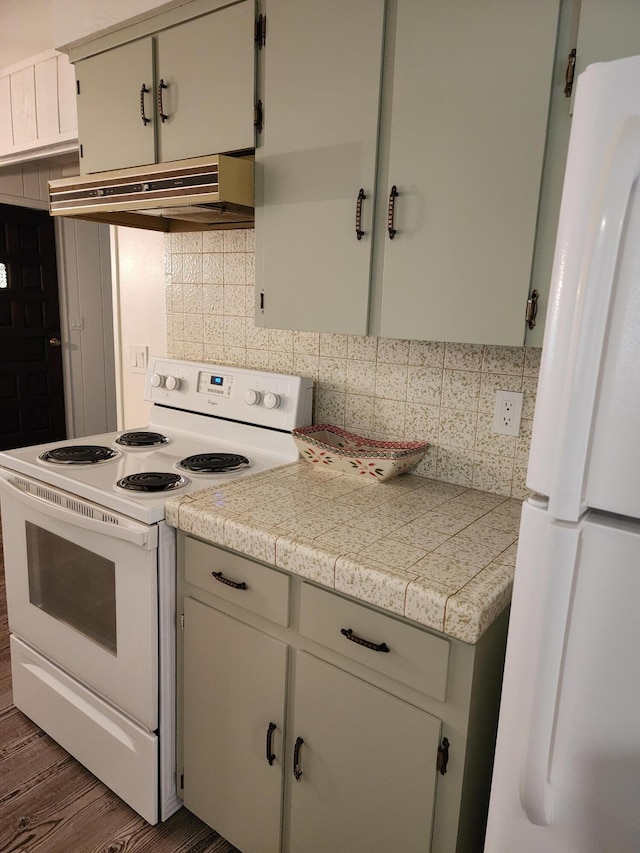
<point x="567" y="768"/>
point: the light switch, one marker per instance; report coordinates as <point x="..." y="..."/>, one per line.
<point x="138" y="355"/>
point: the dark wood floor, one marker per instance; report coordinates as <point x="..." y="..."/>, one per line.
<point x="49" y="803"/>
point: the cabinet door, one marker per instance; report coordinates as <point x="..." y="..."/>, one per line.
<point x="234" y="687"/>
<point x="471" y="84"/>
<point x="608" y="29"/>
<point x="111" y="131"/>
<point x="207" y="65"/>
<point x="368" y="765"/>
<point x="599" y="30"/>
<point x="321" y="94"/>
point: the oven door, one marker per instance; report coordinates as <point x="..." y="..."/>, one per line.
<point x="82" y="589"/>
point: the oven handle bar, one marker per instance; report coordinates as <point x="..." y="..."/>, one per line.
<point x="122" y="528"/>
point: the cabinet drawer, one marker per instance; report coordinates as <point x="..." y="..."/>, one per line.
<point x="415" y="657"/>
<point x="266" y="591"/>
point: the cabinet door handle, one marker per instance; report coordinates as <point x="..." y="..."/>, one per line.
<point x="375" y="647"/>
<point x="297" y="770"/>
<point x="143" y="91"/>
<point x="393" y="195"/>
<point x="270" y="754"/>
<point x="221" y="579"/>
<point x="443" y="756"/>
<point x="360" y="199"/>
<point x="161" y="85"/>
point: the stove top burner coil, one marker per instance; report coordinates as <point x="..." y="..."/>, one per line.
<point x="79" y="454"/>
<point x="152" y="481"/>
<point x="141" y="438"/>
<point x="214" y="463"/>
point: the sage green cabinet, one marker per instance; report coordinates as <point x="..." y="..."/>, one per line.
<point x="367" y="779"/>
<point x="320" y="87"/>
<point x="598" y="31"/>
<point x="234" y="689"/>
<point x="203" y="71"/>
<point x="463" y="120"/>
<point x="466" y="124"/>
<point x="294" y="739"/>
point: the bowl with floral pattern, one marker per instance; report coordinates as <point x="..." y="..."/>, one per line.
<point x="334" y="449"/>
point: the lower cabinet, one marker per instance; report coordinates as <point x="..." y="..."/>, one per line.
<point x="364" y="765"/>
<point x="361" y="760"/>
<point x="308" y="735"/>
<point x="234" y="694"/>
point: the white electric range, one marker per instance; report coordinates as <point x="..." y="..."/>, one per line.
<point x="90" y="563"/>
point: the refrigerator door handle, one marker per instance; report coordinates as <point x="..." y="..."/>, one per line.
<point x="536" y="793"/>
<point x="595" y="292"/>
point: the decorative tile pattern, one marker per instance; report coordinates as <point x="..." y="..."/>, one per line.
<point x="437" y="553"/>
<point x="385" y="388"/>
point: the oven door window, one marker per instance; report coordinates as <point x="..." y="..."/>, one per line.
<point x="73" y="585"/>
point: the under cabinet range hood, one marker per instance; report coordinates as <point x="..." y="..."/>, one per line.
<point x="187" y="195"/>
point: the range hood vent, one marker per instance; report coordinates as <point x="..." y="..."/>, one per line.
<point x="188" y="195"/>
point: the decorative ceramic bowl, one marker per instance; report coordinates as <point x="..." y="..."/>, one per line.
<point x="331" y="447"/>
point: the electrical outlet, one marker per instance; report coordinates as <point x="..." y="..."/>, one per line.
<point x="508" y="411"/>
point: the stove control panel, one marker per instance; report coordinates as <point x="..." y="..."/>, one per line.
<point x="257" y="397"/>
<point x="215" y="383"/>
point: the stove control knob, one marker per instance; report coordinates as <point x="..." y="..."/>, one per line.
<point x="252" y="397"/>
<point x="157" y="380"/>
<point x="271" y="401"/>
<point x="172" y="383"/>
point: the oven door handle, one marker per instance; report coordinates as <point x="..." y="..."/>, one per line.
<point x="121" y="528"/>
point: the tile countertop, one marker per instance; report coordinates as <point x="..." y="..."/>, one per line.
<point x="438" y="554"/>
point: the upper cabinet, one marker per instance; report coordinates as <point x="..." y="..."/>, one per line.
<point x="466" y="126"/>
<point x="185" y="91"/>
<point x="316" y="163"/>
<point x="590" y="31"/>
<point x="463" y="121"/>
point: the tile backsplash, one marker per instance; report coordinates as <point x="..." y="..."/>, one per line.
<point x="438" y="392"/>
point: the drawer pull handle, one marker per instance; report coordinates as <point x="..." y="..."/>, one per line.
<point x="375" y="647"/>
<point x="360" y="199"/>
<point x="297" y="770"/>
<point x="270" y="754"/>
<point x="221" y="578"/>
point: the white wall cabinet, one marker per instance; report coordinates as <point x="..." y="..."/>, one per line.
<point x="293" y="739"/>
<point x="37" y="104"/>
<point x="465" y="99"/>
<point x="186" y="91"/>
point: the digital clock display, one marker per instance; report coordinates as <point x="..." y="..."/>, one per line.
<point x="217" y="380"/>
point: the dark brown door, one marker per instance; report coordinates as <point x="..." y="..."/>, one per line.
<point x="31" y="387"/>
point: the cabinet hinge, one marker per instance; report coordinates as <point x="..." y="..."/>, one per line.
<point x="257" y="116"/>
<point x="571" y="70"/>
<point x="182" y="781"/>
<point x="443" y="756"/>
<point x="262" y="301"/>
<point x="260" y="31"/>
<point x="532" y="309"/>
<point x="81" y="150"/>
<point x="77" y="87"/>
<point x="182" y="621"/>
